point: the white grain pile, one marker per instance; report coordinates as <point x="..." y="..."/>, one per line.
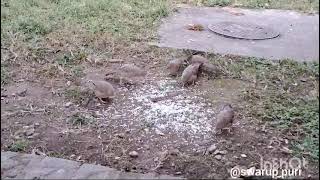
<point x="180" y="114"/>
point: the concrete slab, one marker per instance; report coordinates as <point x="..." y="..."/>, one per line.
<point x="26" y="166"/>
<point x="298" y="40"/>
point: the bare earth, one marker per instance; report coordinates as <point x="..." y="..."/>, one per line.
<point x="171" y="135"/>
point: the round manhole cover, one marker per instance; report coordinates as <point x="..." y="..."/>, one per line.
<point x="243" y="30"/>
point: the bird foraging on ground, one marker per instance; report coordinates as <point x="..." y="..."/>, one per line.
<point x="225" y="118"/>
<point x="174" y="66"/>
<point x="103" y="90"/>
<point x="190" y="74"/>
<point x="198" y="59"/>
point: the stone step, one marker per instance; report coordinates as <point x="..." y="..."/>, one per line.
<point x="28" y="166"/>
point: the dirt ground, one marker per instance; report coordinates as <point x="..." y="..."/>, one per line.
<point x="171" y="136"/>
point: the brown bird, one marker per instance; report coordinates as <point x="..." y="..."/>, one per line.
<point x="210" y="69"/>
<point x="189" y="75"/>
<point x="103" y="90"/>
<point x="198" y="59"/>
<point x="225" y="118"/>
<point x="174" y="66"/>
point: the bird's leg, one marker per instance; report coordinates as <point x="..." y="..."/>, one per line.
<point x="193" y="83"/>
<point x="101" y="101"/>
<point x="218" y="132"/>
<point x="108" y="100"/>
<point x="228" y="129"/>
<point x="121" y="81"/>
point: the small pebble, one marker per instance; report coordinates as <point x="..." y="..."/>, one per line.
<point x="133" y="154"/>
<point x="243" y="155"/>
<point x="158" y="132"/>
<point x="120" y="135"/>
<point x="17" y="137"/>
<point x="223" y="152"/>
<point x="115" y="117"/>
<point x="212" y="148"/>
<point x="218" y="157"/>
<point x="174" y="152"/>
<point x="29" y="132"/>
<point x="68" y="104"/>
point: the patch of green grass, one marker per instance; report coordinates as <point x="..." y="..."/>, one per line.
<point x="218" y="2"/>
<point x="78" y="119"/>
<point x="301" y="5"/>
<point x="4" y="75"/>
<point x="69" y="60"/>
<point x="120" y="17"/>
<point x="77" y="71"/>
<point x="285" y="94"/>
<point x="77" y="95"/>
<point x="32" y="27"/>
<point x="298" y="116"/>
<point x="18" y="146"/>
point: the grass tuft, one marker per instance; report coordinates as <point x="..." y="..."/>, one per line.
<point x="4" y="75"/>
<point x="18" y="146"/>
<point x="78" y="119"/>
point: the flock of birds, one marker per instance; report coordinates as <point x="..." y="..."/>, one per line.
<point x="104" y="90"/>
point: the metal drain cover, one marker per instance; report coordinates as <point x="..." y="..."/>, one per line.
<point x="243" y="30"/>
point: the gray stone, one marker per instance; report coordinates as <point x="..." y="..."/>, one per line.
<point x="133" y="154"/>
<point x="174" y="152"/>
<point x="168" y="177"/>
<point x="115" y="60"/>
<point x="218" y="157"/>
<point x="13" y="159"/>
<point x="15" y="165"/>
<point x="221" y="152"/>
<point x="29" y="132"/>
<point x="29" y="166"/>
<point x="148" y="176"/>
<point x="68" y="104"/>
<point x="243" y="155"/>
<point x="212" y="148"/>
<point x="128" y="175"/>
<point x="89" y="171"/>
<point x="7" y="155"/>
<point x="52" y="168"/>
